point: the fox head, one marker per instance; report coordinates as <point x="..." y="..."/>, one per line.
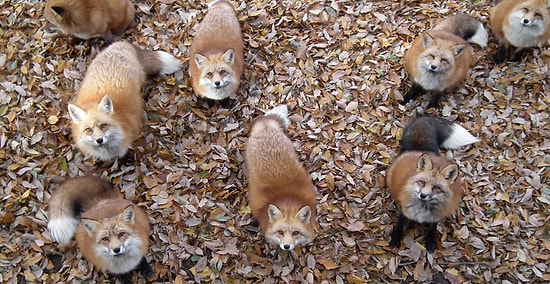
<point x="217" y="75"/>
<point x="62" y="12"/>
<point x="114" y="237"/>
<point x="431" y="185"/>
<point x="96" y="131"/>
<point x="531" y="17"/>
<point x="438" y="55"/>
<point x="289" y="229"/>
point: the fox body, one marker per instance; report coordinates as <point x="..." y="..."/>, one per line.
<point x="427" y="186"/>
<point x="91" y="18"/>
<point x="280" y="191"/>
<point x="112" y="233"/>
<point x="519" y="25"/>
<point x="107" y="110"/>
<point x="216" y="62"/>
<point x="440" y="59"/>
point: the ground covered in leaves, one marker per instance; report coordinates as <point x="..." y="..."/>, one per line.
<point x="337" y="64"/>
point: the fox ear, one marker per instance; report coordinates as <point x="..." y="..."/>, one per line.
<point x="274" y="213"/>
<point x="450" y="172"/>
<point x="428" y="40"/>
<point x="76" y="113"/>
<point x="459" y="49"/>
<point x="128" y="215"/>
<point x="229" y="56"/>
<point x="106" y="105"/>
<point x="90" y="225"/>
<point x="200" y="60"/>
<point x="304" y="214"/>
<point x="424" y="163"/>
<point x="58" y="10"/>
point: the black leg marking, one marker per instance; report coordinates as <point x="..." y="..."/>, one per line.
<point x="434" y="100"/>
<point x="145" y="268"/>
<point x="500" y="55"/>
<point x="413" y="93"/>
<point x="397" y="233"/>
<point x="429" y="241"/>
<point x="516" y="56"/>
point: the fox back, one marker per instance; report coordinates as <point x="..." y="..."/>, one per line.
<point x="114" y="235"/>
<point x="438" y="60"/>
<point x="521" y="23"/>
<point x="216" y="56"/>
<point x="107" y="110"/>
<point x="91" y="18"/>
<point x="280" y="191"/>
<point x="427" y="187"/>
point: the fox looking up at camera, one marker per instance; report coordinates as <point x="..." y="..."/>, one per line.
<point x="518" y="25"/>
<point x="216" y="56"/>
<point x="91" y="18"/>
<point x="440" y="59"/>
<point x="107" y="111"/>
<point x="280" y="191"/>
<point x="112" y="233"/>
<point x="426" y="186"/>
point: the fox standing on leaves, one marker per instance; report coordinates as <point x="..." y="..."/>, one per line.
<point x="91" y="18"/>
<point x="112" y="233"/>
<point x="426" y="186"/>
<point x="280" y="191"/>
<point x="519" y="25"/>
<point x="440" y="59"/>
<point x="216" y="56"/>
<point x="107" y="110"/>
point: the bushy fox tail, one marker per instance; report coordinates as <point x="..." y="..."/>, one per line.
<point x="70" y="199"/>
<point x="429" y="134"/>
<point x="158" y="62"/>
<point x="466" y="27"/>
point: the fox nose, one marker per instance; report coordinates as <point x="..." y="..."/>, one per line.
<point x="525" y="21"/>
<point x="116" y="250"/>
<point x="217" y="83"/>
<point x="433" y="67"/>
<point x="286" y="247"/>
<point x="99" y="140"/>
<point x="423" y="196"/>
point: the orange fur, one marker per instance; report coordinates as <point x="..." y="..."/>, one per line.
<point x="276" y="177"/>
<point x="218" y="33"/>
<point x="91" y="18"/>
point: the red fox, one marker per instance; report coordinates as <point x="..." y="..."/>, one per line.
<point x="280" y="192"/>
<point x="426" y="186"/>
<point x="216" y="62"/>
<point x="519" y="24"/>
<point x="107" y="111"/>
<point x="112" y="233"/>
<point x="91" y="18"/>
<point x="440" y="59"/>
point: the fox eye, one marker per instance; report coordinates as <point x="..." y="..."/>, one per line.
<point x="436" y="189"/>
<point x="538" y="15"/>
<point x="209" y="74"/>
<point x="88" y="130"/>
<point x="222" y="72"/>
<point x="295" y="233"/>
<point x="444" y="60"/>
<point x="280" y="232"/>
<point x="421" y="183"/>
<point x="121" y="234"/>
<point x="103" y="126"/>
<point x="104" y="239"/>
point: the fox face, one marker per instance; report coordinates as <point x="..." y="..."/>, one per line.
<point x="288" y="230"/>
<point x="527" y="23"/>
<point x="117" y="243"/>
<point x="217" y="75"/>
<point x="98" y="133"/>
<point x="428" y="190"/>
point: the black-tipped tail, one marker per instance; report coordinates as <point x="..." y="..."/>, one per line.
<point x="466" y="27"/>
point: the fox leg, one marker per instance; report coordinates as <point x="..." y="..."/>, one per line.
<point x="429" y="241"/>
<point x="500" y="55"/>
<point x="145" y="268"/>
<point x="413" y="93"/>
<point x="125" y="278"/>
<point x="397" y="233"/>
<point x="435" y="99"/>
<point x="518" y="53"/>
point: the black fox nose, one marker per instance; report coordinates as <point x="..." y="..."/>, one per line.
<point x="525" y="21"/>
<point x="217" y="83"/>
<point x="99" y="140"/>
<point x="116" y="250"/>
<point x="433" y="67"/>
<point x="286" y="247"/>
<point x="423" y="196"/>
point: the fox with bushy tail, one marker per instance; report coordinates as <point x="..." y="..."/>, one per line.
<point x="426" y="186"/>
<point x="440" y="59"/>
<point x="112" y="233"/>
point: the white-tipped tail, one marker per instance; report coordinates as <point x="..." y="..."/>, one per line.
<point x="481" y="37"/>
<point x="281" y="112"/>
<point x="62" y="229"/>
<point x="170" y="64"/>
<point x="458" y="138"/>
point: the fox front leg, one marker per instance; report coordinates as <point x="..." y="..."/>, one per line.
<point x="397" y="233"/>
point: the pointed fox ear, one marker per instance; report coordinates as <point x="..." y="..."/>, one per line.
<point x="128" y="215"/>
<point x="304" y="214"/>
<point x="229" y="56"/>
<point x="428" y="40"/>
<point x="274" y="213"/>
<point x="424" y="163"/>
<point x="77" y="114"/>
<point x="59" y="10"/>
<point x="106" y="105"/>
<point x="200" y="60"/>
<point x="459" y="49"/>
<point x="90" y="225"/>
<point x="450" y="172"/>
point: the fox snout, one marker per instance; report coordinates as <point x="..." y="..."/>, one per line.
<point x="424" y="196"/>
